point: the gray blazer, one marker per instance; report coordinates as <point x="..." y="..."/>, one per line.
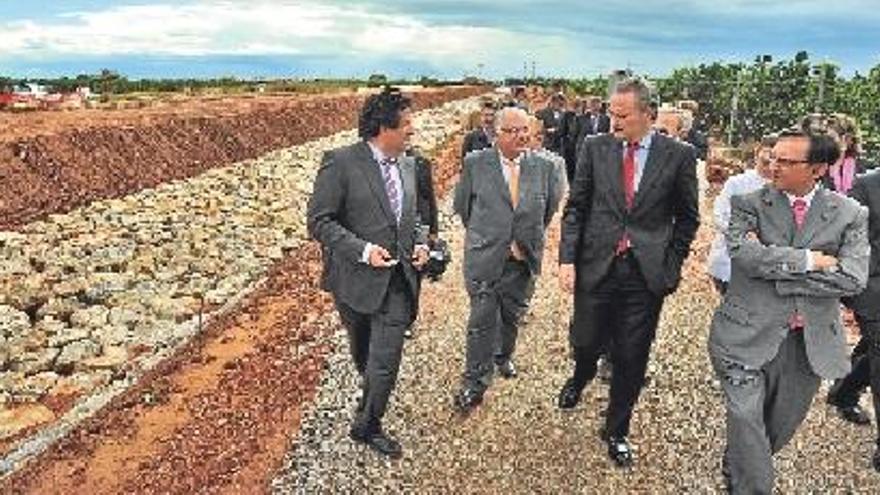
<point x="482" y="200"/>
<point x="349" y="208"/>
<point x="769" y="280"/>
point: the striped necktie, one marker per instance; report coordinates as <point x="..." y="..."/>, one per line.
<point x="388" y="165"/>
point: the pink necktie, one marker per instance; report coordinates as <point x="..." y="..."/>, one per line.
<point x="799" y="208"/>
<point x="797" y="322"/>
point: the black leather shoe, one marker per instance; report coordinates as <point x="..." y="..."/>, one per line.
<point x="570" y="395"/>
<point x="467" y="400"/>
<point x="385" y="445"/>
<point x="620" y="451"/>
<point x="378" y="441"/>
<point x="725" y="472"/>
<point x="507" y="369"/>
<point x="854" y="414"/>
<point x="604" y="369"/>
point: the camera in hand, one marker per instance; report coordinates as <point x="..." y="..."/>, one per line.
<point x="439" y="257"/>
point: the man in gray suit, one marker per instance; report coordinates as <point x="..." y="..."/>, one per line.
<point x="796" y="249"/>
<point x="363" y="212"/>
<point x="506" y="197"/>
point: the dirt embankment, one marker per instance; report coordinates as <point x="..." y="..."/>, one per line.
<point x="61" y="167"/>
<point x="219" y="415"/>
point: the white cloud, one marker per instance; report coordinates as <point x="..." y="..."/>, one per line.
<point x="214" y="27"/>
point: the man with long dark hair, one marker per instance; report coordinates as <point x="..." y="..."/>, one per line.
<point x="363" y="212"/>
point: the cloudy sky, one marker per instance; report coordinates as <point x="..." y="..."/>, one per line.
<point x="255" y="38"/>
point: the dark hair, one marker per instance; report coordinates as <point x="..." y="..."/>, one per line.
<point x="769" y="140"/>
<point x="823" y="150"/>
<point x="381" y="110"/>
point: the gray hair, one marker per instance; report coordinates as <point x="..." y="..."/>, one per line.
<point x="687" y="120"/>
<point x="639" y="87"/>
<point x="499" y="117"/>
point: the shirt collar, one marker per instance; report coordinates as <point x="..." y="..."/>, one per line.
<point x="377" y="153"/>
<point x="505" y="160"/>
<point x="644" y="143"/>
<point x="808" y="197"/>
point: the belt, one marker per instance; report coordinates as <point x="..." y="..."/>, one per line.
<point x="624" y="255"/>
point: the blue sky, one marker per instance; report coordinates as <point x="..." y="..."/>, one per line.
<point x="311" y="38"/>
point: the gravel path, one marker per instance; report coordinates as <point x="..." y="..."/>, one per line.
<point x="518" y="442"/>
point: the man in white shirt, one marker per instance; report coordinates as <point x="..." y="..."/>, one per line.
<point x="749" y="181"/>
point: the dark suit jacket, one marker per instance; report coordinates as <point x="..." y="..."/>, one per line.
<point x="475" y="140"/>
<point x="426" y="202"/>
<point x="661" y="225"/>
<point x="482" y="200"/>
<point x="698" y="140"/>
<point x="349" y="208"/>
<point x="572" y="127"/>
<point x="604" y="125"/>
<point x="552" y="121"/>
<point x="866" y="191"/>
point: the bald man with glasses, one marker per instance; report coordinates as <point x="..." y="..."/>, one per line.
<point x="506" y="197"/>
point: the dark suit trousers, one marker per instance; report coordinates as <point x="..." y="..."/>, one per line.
<point x="865" y="366"/>
<point x="493" y="322"/>
<point x="621" y="315"/>
<point x="376" y="342"/>
<point x="764" y="409"/>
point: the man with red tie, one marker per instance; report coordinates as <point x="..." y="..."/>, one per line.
<point x="627" y="228"/>
<point x="796" y="249"/>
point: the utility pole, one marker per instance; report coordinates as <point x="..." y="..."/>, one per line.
<point x="533" y="70"/>
<point x="820" y="102"/>
<point x="734" y="104"/>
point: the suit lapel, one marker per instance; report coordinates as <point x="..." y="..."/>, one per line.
<point x="656" y="158"/>
<point x="779" y="216"/>
<point x="614" y="152"/>
<point x="820" y="213"/>
<point x="527" y="170"/>
<point x="497" y="176"/>
<point x="371" y="172"/>
<point x="408" y="178"/>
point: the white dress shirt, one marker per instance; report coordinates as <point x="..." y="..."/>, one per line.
<point x="379" y="157"/>
<point x="744" y="183"/>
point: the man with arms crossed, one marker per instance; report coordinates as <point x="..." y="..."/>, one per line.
<point x="796" y="249"/>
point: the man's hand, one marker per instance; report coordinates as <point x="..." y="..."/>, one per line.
<point x="752" y="236"/>
<point x="380" y="258"/>
<point x="420" y="256"/>
<point x="566" y="277"/>
<point x="823" y="262"/>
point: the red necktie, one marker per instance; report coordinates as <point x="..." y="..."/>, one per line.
<point x="629" y="189"/>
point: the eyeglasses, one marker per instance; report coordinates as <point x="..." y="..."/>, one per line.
<point x="515" y="130"/>
<point x="786" y="162"/>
